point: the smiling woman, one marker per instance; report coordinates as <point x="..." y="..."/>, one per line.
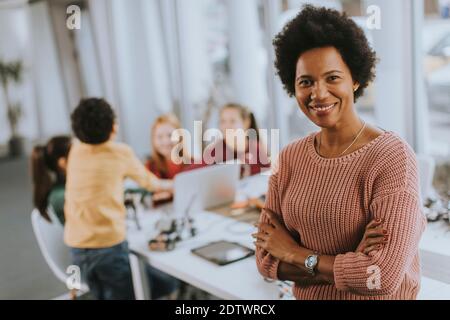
<point x="342" y="217"/>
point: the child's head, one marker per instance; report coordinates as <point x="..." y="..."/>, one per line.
<point x="161" y="135"/>
<point x="93" y="121"/>
<point x="234" y="116"/>
<point x="48" y="166"/>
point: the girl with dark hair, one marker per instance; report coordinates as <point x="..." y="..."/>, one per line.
<point x="241" y="140"/>
<point x="48" y="166"/>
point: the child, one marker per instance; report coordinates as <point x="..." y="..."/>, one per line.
<point x="161" y="162"/>
<point x="48" y="167"/>
<point x="95" y="226"/>
<point x="249" y="150"/>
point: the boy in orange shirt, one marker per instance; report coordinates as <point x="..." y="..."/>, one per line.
<point x="94" y="209"/>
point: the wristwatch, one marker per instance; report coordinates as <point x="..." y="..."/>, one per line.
<point x="311" y="262"/>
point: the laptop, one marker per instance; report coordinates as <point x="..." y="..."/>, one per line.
<point x="205" y="188"/>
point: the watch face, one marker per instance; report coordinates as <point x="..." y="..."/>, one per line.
<point x="311" y="262"/>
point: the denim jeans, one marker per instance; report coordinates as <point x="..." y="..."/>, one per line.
<point x="107" y="272"/>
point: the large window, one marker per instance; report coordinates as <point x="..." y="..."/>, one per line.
<point x="436" y="58"/>
<point x="237" y="56"/>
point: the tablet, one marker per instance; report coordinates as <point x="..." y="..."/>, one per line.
<point x="223" y="252"/>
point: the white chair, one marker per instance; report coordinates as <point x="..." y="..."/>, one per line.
<point x="50" y="240"/>
<point x="52" y="215"/>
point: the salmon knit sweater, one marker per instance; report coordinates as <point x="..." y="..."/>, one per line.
<point x="327" y="203"/>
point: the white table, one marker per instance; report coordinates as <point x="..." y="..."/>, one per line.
<point x="435" y="251"/>
<point x="433" y="290"/>
<point x="239" y="280"/>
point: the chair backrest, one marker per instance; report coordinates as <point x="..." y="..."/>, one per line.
<point x="53" y="217"/>
<point x="50" y="240"/>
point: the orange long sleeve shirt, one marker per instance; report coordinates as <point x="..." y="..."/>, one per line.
<point x="94" y="202"/>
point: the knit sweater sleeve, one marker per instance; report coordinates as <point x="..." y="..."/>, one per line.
<point x="266" y="263"/>
<point x="395" y="199"/>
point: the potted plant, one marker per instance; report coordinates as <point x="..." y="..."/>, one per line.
<point x="11" y="72"/>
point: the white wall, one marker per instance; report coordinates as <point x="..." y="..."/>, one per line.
<point x="88" y="58"/>
<point x="48" y="82"/>
<point x="157" y="56"/>
<point x="397" y="96"/>
<point x="70" y="72"/>
<point x="143" y="87"/>
<point x="248" y="58"/>
<point x="194" y="63"/>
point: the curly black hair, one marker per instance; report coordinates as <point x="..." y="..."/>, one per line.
<point x="93" y="120"/>
<point x="316" y="27"/>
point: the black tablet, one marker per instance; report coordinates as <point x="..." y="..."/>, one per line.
<point x="223" y="252"/>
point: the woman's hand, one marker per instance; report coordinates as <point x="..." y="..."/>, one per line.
<point x="275" y="238"/>
<point x="374" y="237"/>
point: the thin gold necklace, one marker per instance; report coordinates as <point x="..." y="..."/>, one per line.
<point x="354" y="140"/>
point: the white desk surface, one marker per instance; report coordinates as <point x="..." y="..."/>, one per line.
<point x="239" y="280"/>
<point x="436" y="238"/>
<point x="433" y="290"/>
